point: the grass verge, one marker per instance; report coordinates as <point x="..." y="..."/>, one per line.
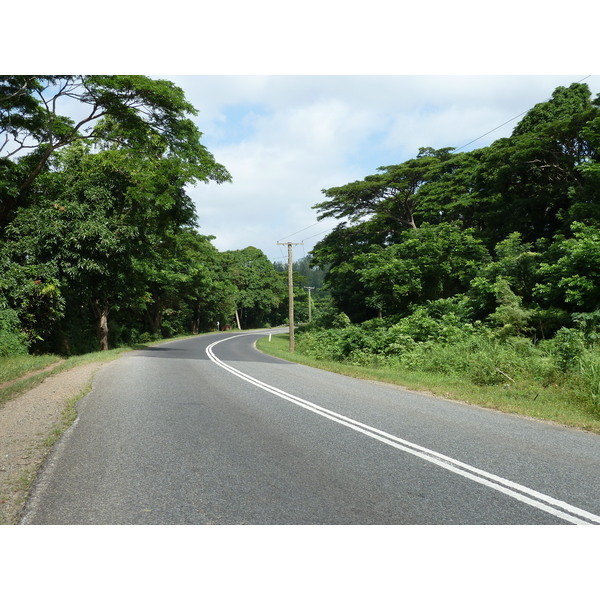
<point x="13" y="367"/>
<point x="21" y="373"/>
<point x="30" y="375"/>
<point x="528" y="399"/>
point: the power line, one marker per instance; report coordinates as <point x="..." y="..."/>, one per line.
<point x="455" y="150"/>
<point x="301" y="230"/>
<point x="316" y="234"/>
<point x="506" y="123"/>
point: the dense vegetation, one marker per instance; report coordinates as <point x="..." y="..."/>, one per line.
<point x="98" y="239"/>
<point x="483" y="264"/>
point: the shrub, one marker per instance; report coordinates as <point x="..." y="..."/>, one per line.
<point x="589" y="369"/>
<point x="12" y="340"/>
<point x="341" y="320"/>
<point x="568" y="347"/>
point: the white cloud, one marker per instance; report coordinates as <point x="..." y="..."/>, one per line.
<point x="284" y="139"/>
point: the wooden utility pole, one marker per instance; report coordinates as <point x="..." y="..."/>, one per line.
<point x="309" y="312"/>
<point x="290" y="290"/>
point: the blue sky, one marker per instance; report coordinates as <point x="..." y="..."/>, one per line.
<point x="285" y="138"/>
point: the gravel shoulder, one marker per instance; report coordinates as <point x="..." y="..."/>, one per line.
<point x="29" y="424"/>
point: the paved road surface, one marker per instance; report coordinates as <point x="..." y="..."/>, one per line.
<point x="210" y="431"/>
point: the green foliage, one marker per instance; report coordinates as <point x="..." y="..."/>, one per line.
<point x="150" y="117"/>
<point x="97" y="238"/>
<point x="341" y="320"/>
<point x="568" y="348"/>
<point x="511" y="231"/>
<point x="12" y="341"/>
<point x="392" y="194"/>
<point x="509" y="316"/>
<point x="572" y="278"/>
<point x="260" y="290"/>
<point x="429" y="263"/>
<point x="481" y="266"/>
<point x="32" y="291"/>
<point x="474" y="354"/>
<point x="589" y="325"/>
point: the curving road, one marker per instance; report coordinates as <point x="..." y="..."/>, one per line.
<point x="210" y="431"/>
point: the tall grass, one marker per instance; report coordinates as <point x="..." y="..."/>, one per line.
<point x="513" y="375"/>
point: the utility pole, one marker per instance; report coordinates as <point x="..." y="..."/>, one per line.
<point x="309" y="312"/>
<point x="290" y="290"/>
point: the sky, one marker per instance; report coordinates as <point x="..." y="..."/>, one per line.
<point x="286" y="138"/>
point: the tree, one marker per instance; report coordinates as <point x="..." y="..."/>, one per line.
<point x="516" y="264"/>
<point x="186" y="287"/>
<point x="430" y="263"/>
<point x="117" y="111"/>
<point x="534" y="178"/>
<point x="31" y="292"/>
<point x="261" y="290"/>
<point x="334" y="255"/>
<point x="570" y="272"/>
<point x="392" y="194"/>
<point x="507" y="231"/>
<point x="99" y="224"/>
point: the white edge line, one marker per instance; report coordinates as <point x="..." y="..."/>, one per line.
<point x="483" y="477"/>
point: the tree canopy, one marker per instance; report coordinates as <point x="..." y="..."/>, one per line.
<point x="99" y="242"/>
<point x="151" y="117"/>
<point x="98" y="237"/>
<point x="518" y="217"/>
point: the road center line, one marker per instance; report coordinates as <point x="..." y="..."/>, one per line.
<point x="555" y="507"/>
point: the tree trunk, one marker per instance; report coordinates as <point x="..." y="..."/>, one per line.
<point x="103" y="328"/>
<point x="195" y="324"/>
<point x="100" y="309"/>
<point x="153" y="317"/>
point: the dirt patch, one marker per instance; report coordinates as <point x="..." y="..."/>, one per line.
<point x="26" y="422"/>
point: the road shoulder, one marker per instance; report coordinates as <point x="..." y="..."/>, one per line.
<point x="29" y="424"/>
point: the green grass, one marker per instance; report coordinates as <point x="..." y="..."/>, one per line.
<point x="11" y="369"/>
<point x="558" y="403"/>
<point x="14" y="367"/>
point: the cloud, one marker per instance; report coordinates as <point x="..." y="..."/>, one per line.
<point x="285" y="138"/>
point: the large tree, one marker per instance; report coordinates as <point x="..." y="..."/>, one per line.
<point x="99" y="225"/>
<point x="260" y="289"/>
<point x="515" y="195"/>
<point x="40" y="114"/>
<point x="545" y="174"/>
<point x="392" y="194"/>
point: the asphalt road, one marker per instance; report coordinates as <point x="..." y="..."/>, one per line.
<point x="210" y="431"/>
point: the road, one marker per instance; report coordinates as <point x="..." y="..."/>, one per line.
<point x="210" y="431"/>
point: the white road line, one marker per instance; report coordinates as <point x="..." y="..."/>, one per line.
<point x="555" y="507"/>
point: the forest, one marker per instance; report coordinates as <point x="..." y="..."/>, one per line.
<point x="99" y="242"/>
<point x="484" y="264"/>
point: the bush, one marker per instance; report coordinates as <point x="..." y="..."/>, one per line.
<point x="446" y="346"/>
<point x="341" y="320"/>
<point x="568" y="346"/>
<point x="12" y="340"/>
<point x="589" y="370"/>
